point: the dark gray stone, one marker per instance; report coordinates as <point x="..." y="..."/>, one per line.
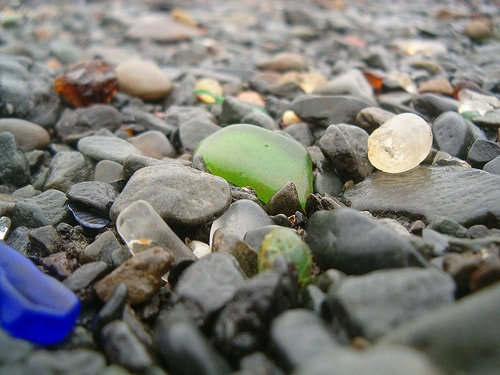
<point x="193" y="131"/>
<point x="481" y="152"/>
<point x="301" y="133"/>
<point x="15" y="168"/>
<point x="180" y="195"/>
<point x="452" y="134"/>
<point x="374" y="304"/>
<point x="105" y="248"/>
<point x="461" y="338"/>
<point x="76" y="124"/>
<point x="68" y="168"/>
<point x="346" y="147"/>
<point x="95" y="195"/>
<point x="284" y="201"/>
<point x="48" y="208"/>
<point x="327" y="110"/>
<point x="354" y="243"/>
<point x="123" y="348"/>
<point x="431" y="106"/>
<point x="234" y="110"/>
<point x="242" y="325"/>
<point x="298" y="335"/>
<point x="430" y="192"/>
<point x="82" y="280"/>
<point x="183" y="347"/>
<point x="15" y="97"/>
<point x="260" y="119"/>
<point x="207" y="285"/>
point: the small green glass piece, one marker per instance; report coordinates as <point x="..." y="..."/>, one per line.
<point x="284" y="242"/>
<point x="247" y="155"/>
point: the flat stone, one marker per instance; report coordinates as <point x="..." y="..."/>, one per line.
<point x="141" y="274"/>
<point x="354" y="243"/>
<point x="15" y="168"/>
<point x="95" y="195"/>
<point x="374" y="304"/>
<point x="297" y="335"/>
<point x="160" y="28"/>
<point x="82" y="122"/>
<point x="207" y="285"/>
<point x="346" y="147"/>
<point x="328" y="110"/>
<point x="29" y="136"/>
<point x="143" y="79"/>
<point x="180" y="195"/>
<point x="430" y="192"/>
<point x="48" y="208"/>
<point x="247" y="155"/>
<point x="100" y="147"/>
<point x="68" y="168"/>
<point x="462" y="337"/>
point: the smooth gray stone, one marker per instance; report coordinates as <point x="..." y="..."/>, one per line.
<point x="180" y="195"/>
<point x="301" y="133"/>
<point x="123" y="348"/>
<point x="234" y="110"/>
<point x="96" y="195"/>
<point x="354" y="243"/>
<point x="260" y="119"/>
<point x="258" y="363"/>
<point x="461" y="338"/>
<point x="100" y="147"/>
<point x="468" y="196"/>
<point x="374" y="304"/>
<point x="65" y="362"/>
<point x="493" y="166"/>
<point x="15" y="168"/>
<point x="194" y="131"/>
<point x="207" y="285"/>
<point x="28" y="135"/>
<point x="482" y="152"/>
<point x="105" y="248"/>
<point x="108" y="171"/>
<point x="298" y="335"/>
<point x="183" y="348"/>
<point x="48" y="208"/>
<point x="431" y="106"/>
<point x="68" y="168"/>
<point x="15" y="97"/>
<point x="346" y="147"/>
<point x="391" y="360"/>
<point x="327" y="110"/>
<point x="254" y="237"/>
<point x="82" y="122"/>
<point x="12" y="349"/>
<point x="452" y="134"/>
<point x="351" y="82"/>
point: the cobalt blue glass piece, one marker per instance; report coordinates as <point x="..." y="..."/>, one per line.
<point x="33" y="306"/>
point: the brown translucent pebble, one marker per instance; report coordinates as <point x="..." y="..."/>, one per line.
<point x="87" y="83"/>
<point x="142" y="274"/>
<point x="438" y="85"/>
<point x="375" y="78"/>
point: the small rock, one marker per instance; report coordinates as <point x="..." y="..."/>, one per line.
<point x="95" y="195"/>
<point x="180" y="195"/>
<point x="29" y="136"/>
<point x="371" y="118"/>
<point x="108" y="171"/>
<point x="143" y="79"/>
<point x="15" y="168"/>
<point x="493" y="166"/>
<point x="160" y="28"/>
<point x="298" y="335"/>
<point x="207" y="285"/>
<point x="141" y="274"/>
<point x="351" y="82"/>
<point x="66" y="169"/>
<point x="153" y="144"/>
<point x="346" y="147"/>
<point x="83" y="279"/>
<point x="193" y="131"/>
<point x="431" y="106"/>
<point x="123" y="348"/>
<point x="99" y="147"/>
<point x="374" y="304"/>
<point x="452" y="134"/>
<point x="48" y="208"/>
<point x="479" y="29"/>
<point x="345" y="239"/>
<point x="105" y="248"/>
<point x="438" y="85"/>
<point x="284" y="61"/>
<point x="482" y="152"/>
<point x="234" y="111"/>
<point x="65" y="361"/>
<point x="284" y="201"/>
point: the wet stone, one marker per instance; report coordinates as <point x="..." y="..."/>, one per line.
<point x="141" y="274"/>
<point x="76" y="124"/>
<point x="374" y="304"/>
<point x="482" y="152"/>
<point x="123" y="348"/>
<point x="452" y="345"/>
<point x="48" y="208"/>
<point x="452" y="134"/>
<point x="180" y="195"/>
<point x="15" y="168"/>
<point x="241" y="326"/>
<point x="429" y="192"/>
<point x="207" y="285"/>
<point x="29" y="136"/>
<point x="68" y="168"/>
<point x="297" y="336"/>
<point x="354" y="243"/>
<point x="106" y="148"/>
<point x="327" y="110"/>
<point x="346" y="147"/>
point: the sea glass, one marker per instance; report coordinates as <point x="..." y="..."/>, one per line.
<point x="33" y="306"/>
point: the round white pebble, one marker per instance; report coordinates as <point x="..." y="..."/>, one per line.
<point x="400" y="144"/>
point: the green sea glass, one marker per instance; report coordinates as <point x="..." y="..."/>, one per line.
<point x="247" y="155"/>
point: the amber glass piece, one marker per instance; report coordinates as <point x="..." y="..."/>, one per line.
<point x="86" y="83"/>
<point x="375" y="78"/>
